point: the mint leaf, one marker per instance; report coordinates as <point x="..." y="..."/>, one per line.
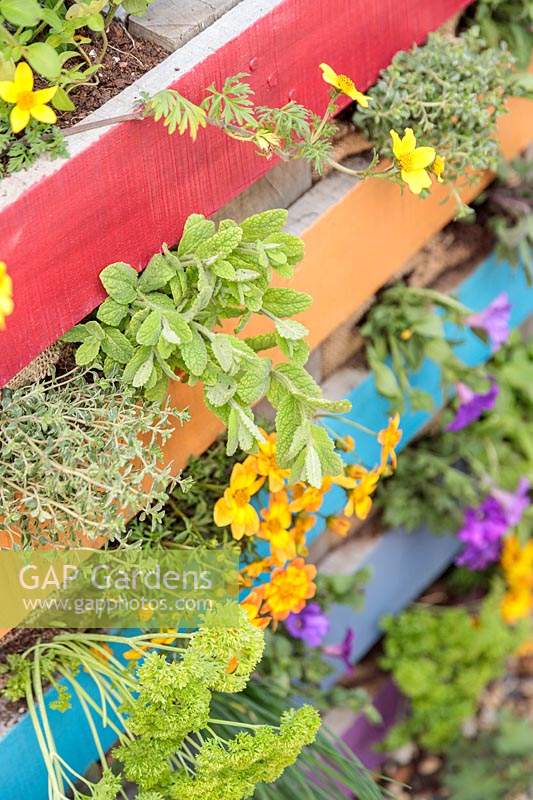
<point x="120" y="282"/>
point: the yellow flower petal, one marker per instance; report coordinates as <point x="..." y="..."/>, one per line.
<point x="222" y="513"/>
<point x="422" y="157"/>
<point x="42" y="96"/>
<point x="18" y="119"/>
<point x="23" y="77"/>
<point x="329" y="75"/>
<point x="44" y="114"/>
<point x="8" y="91"/>
<point x="408" y="141"/>
<point x="396" y="144"/>
<point x="416" y="180"/>
<point x="360" y="98"/>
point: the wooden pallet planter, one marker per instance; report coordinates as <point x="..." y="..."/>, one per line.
<point x="126" y="189"/>
<point x="357" y="236"/>
<point x="403" y="563"/>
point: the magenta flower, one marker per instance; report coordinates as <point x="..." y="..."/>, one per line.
<point x="342" y="650"/>
<point x="472" y="405"/>
<point x="494" y="320"/>
<point x="514" y="503"/>
<point x="482" y="534"/>
<point x="310" y="625"/>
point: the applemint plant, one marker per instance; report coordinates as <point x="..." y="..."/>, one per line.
<point x="165" y="324"/>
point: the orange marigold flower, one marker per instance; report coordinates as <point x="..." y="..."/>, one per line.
<point x="389" y="438"/>
<point x="234" y="508"/>
<point x="289" y="589"/>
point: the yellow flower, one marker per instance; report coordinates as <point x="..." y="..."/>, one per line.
<point x="406" y="334"/>
<point x="389" y="438"/>
<point x="27" y="102"/>
<point x="438" y="168"/>
<point x="234" y="508"/>
<point x="266" y="464"/>
<point x="338" y="524"/>
<point x="413" y="160"/>
<point x="360" y="497"/>
<point x="303" y="523"/>
<point x="308" y="498"/>
<point x="517" y="605"/>
<point x="253" y="605"/>
<point x="290" y="589"/>
<point x="276" y="522"/>
<point x="6" y="294"/>
<point x="344" y="85"/>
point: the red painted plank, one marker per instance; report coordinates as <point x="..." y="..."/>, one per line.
<point x="120" y="198"/>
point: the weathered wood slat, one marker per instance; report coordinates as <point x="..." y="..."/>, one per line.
<point x="172" y="23"/>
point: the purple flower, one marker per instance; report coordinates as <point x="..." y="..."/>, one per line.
<point x="310" y="625"/>
<point x="514" y="503"/>
<point x="482" y="534"/>
<point x="472" y="405"/>
<point x="342" y="650"/>
<point x="494" y="320"/>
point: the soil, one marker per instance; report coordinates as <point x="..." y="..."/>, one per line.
<point x="126" y="60"/>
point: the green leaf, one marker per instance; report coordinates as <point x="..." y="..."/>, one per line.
<point x="197" y="229"/>
<point x="194" y="354"/>
<point x="21" y="13"/>
<point x="386" y="382"/>
<point x="286" y="302"/>
<point x="157" y="274"/>
<point x="139" y="357"/>
<point x="259" y="226"/>
<point x="150" y="330"/>
<point x="111" y="312"/>
<point x="79" y="333"/>
<point x="95" y="22"/>
<point x="253" y="381"/>
<point x="117" y="346"/>
<point x="291" y="329"/>
<point x="222" y="392"/>
<point x="96" y="330"/>
<point x="44" y="59"/>
<point x="224" y="269"/>
<point x="87" y="352"/>
<point x="288" y="420"/>
<point x="313" y="469"/>
<point x="144" y="373"/>
<point x="61" y="101"/>
<point x="221" y="244"/>
<point x="175" y="328"/>
<point x="120" y="282"/>
<point x="223" y="351"/>
<point x="330" y="461"/>
<point x="430" y="326"/>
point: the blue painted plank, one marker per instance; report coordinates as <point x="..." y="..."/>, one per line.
<point x="403" y="564"/>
